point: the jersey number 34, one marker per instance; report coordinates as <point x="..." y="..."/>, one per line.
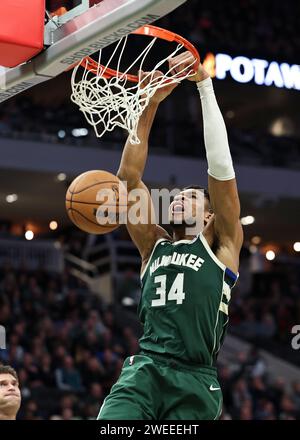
<point x="175" y="293"/>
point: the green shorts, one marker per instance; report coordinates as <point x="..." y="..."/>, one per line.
<point x="153" y="387"/>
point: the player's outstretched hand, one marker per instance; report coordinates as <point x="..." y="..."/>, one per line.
<point x="184" y="63"/>
<point x="153" y="77"/>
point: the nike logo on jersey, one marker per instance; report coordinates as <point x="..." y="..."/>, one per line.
<point x="212" y="388"/>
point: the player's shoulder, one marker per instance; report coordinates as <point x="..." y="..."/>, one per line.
<point x="162" y="234"/>
<point x="225" y="252"/>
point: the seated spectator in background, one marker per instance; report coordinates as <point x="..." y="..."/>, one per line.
<point x="67" y="377"/>
<point x="10" y="395"/>
<point x="46" y="373"/>
<point x="288" y="408"/>
<point x="95" y="397"/>
<point x="30" y="411"/>
<point x="246" y="412"/>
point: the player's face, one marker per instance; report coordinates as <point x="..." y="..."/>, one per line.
<point x="10" y="395"/>
<point x="187" y="208"/>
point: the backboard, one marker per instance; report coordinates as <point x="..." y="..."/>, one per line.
<point x="85" y="29"/>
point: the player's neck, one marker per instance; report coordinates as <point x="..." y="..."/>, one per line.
<point x="7" y="415"/>
<point x="181" y="234"/>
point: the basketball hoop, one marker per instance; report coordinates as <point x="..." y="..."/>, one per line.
<point x="111" y="96"/>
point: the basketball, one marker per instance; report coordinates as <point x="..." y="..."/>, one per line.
<point x="96" y="202"/>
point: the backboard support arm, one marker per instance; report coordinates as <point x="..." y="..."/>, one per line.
<point x="81" y="36"/>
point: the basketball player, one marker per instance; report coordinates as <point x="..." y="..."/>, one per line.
<point x="10" y="395"/>
<point x="186" y="280"/>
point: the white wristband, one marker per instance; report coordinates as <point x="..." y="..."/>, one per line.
<point x="205" y="87"/>
<point x="215" y="134"/>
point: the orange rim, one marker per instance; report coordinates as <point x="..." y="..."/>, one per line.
<point x="150" y="31"/>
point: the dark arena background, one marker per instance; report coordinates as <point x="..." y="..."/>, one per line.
<point x="68" y="300"/>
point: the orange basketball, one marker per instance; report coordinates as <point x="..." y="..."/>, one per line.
<point x="96" y="202"/>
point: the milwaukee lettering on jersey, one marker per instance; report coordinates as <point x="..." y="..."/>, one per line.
<point x="188" y="260"/>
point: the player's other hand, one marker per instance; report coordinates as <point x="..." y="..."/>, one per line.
<point x="184" y="63"/>
<point x="153" y="77"/>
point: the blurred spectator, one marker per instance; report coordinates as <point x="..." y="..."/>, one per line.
<point x="68" y="377"/>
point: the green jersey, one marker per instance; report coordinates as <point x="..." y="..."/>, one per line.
<point x="184" y="304"/>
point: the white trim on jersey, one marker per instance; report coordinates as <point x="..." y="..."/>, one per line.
<point x="185" y="241"/>
<point x="217" y="320"/>
<point x="227" y="291"/>
<point x="213" y="256"/>
<point x="224" y="308"/>
<point x="101" y="408"/>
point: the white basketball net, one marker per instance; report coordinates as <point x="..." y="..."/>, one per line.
<point x="116" y="102"/>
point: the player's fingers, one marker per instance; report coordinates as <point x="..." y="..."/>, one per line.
<point x="184" y="68"/>
<point x="143" y="76"/>
<point x="157" y="74"/>
<point x="183" y="58"/>
<point x="149" y="77"/>
<point x="181" y="63"/>
<point x="156" y="77"/>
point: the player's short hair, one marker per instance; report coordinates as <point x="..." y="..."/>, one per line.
<point x="205" y="192"/>
<point x="7" y="369"/>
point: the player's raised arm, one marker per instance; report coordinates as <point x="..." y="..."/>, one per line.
<point x="221" y="180"/>
<point x="145" y="233"/>
<point x="221" y="176"/>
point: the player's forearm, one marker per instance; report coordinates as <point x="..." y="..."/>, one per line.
<point x="134" y="156"/>
<point x="215" y="135"/>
